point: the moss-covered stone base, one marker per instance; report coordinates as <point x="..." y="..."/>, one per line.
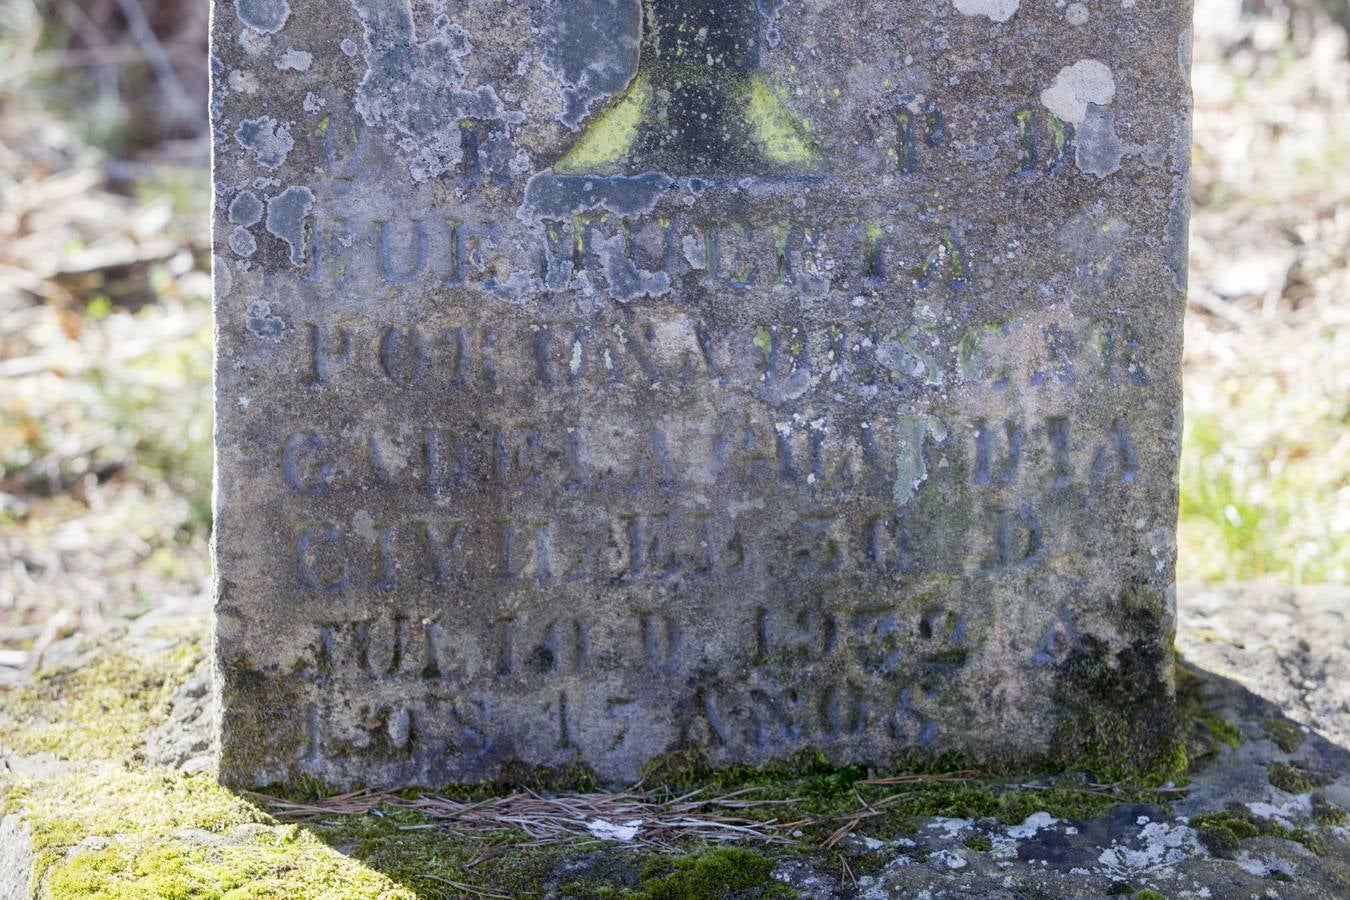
<point x="106" y="811"/>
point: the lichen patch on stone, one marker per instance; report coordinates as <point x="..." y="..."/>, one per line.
<point x="1098" y="149"/>
<point x="591" y="47"/>
<point x="911" y="469"/>
<point x="246" y="209"/>
<point x="242" y="242"/>
<point x="268" y="140"/>
<point x="996" y="10"/>
<point x="267" y="16"/>
<point x="1086" y="81"/>
<point x="295" y="60"/>
<point x="286" y="217"/>
<point x="416" y="87"/>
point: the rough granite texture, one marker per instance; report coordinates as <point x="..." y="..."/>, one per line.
<point x="600" y="379"/>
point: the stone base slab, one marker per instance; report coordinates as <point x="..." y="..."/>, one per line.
<point x="106" y="784"/>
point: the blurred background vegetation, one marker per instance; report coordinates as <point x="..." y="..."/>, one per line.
<point x="105" y="323"/>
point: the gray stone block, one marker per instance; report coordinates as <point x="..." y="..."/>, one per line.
<point x="599" y="381"/>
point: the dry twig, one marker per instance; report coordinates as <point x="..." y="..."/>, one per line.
<point x="657" y="821"/>
<point x="552" y="820"/>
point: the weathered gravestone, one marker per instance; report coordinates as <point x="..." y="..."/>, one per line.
<point x="600" y="379"/>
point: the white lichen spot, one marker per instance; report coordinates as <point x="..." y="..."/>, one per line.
<point x="606" y="830"/>
<point x="255" y="44"/>
<point x="1033" y="823"/>
<point x="1286" y="814"/>
<point x="1086" y="81"/>
<point x="222" y="278"/>
<point x="246" y="209"/>
<point x="313" y="102"/>
<point x="1158" y="844"/>
<point x="521" y="163"/>
<point x="946" y="859"/>
<point x="950" y="827"/>
<point x="1076" y="14"/>
<point x="349" y="47"/>
<point x="242" y="242"/>
<point x="911" y="470"/>
<point x="270" y="141"/>
<point x="363" y="523"/>
<point x="243" y="81"/>
<point x="294" y="60"/>
<point x="997" y="10"/>
<point x="1266" y="865"/>
<point x="695" y="252"/>
<point x="286" y="216"/>
<point x="267" y="16"/>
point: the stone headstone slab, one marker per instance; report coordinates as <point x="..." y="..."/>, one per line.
<point x="600" y="380"/>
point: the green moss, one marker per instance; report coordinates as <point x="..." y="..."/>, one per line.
<point x="1220" y="729"/>
<point x="1123" y="722"/>
<point x="1219" y="841"/>
<point x="1223" y="832"/>
<point x="416" y="852"/>
<point x="156" y="832"/>
<point x="710" y="875"/>
<point x="305" y="789"/>
<point x="764" y="341"/>
<point x="1294" y="778"/>
<point x="540" y="779"/>
<point x="1204" y="731"/>
<point x="1324" y="812"/>
<point x="175" y="835"/>
<point x="973" y="360"/>
<point x="153" y="801"/>
<point x="97" y="711"/>
<point x="260" y="719"/>
<point x="288" y="864"/>
<point x="979" y="843"/>
<point x="958" y="789"/>
<point x="1305" y="836"/>
<point x="1286" y="734"/>
<point x="514" y="776"/>
<point x="1148" y="894"/>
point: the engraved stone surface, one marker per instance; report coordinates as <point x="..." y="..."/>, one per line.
<point x="601" y="379"/>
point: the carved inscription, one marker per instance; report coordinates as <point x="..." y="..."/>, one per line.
<point x="632" y="257"/>
<point x="597" y="381"/>
<point x="780" y="363"/>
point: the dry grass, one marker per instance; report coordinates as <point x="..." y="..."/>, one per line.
<point x="649" y="819"/>
<point x="105" y="356"/>
<point x="1266" y="480"/>
<point x="663" y="822"/>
